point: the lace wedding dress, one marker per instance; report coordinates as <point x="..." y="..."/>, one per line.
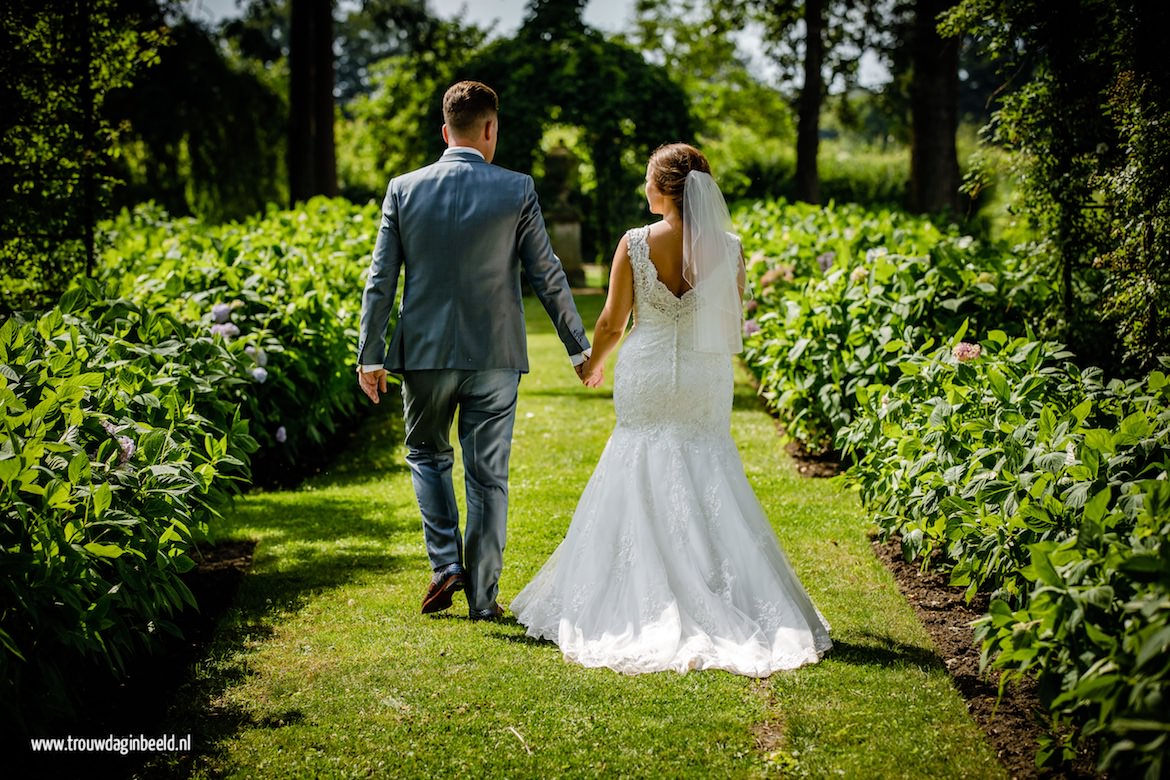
<point x="669" y="562"/>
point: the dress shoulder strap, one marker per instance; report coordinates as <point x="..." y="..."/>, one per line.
<point x="637" y="239"/>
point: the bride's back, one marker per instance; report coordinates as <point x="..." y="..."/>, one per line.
<point x="666" y="254"/>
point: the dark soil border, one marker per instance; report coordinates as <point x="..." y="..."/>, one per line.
<point x="1014" y="723"/>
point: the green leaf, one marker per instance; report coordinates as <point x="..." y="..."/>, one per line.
<point x="1075" y="496"/>
<point x="1096" y="506"/>
<point x="104" y="550"/>
<point x="1099" y="439"/>
<point x="183" y="563"/>
<point x="78" y="467"/>
<point x="998" y="384"/>
<point x="1045" y="425"/>
<point x="102" y="496"/>
<point x="960" y="333"/>
<point x="1133" y="429"/>
<point x="1041" y="566"/>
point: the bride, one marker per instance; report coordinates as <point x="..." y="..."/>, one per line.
<point x="669" y="562"/>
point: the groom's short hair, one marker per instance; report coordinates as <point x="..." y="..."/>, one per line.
<point x="467" y="104"/>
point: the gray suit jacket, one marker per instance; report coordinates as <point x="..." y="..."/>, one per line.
<point x="463" y="230"/>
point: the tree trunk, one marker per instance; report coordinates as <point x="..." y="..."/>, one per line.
<point x="312" y="168"/>
<point x="934" y="109"/>
<point x="808" y="125"/>
<point x="324" y="155"/>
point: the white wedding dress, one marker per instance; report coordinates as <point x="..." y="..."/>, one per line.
<point x="669" y="562"/>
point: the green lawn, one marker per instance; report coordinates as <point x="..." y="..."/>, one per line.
<point x="324" y="668"/>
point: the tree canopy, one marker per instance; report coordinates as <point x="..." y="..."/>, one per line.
<point x="558" y="70"/>
<point x="1085" y="107"/>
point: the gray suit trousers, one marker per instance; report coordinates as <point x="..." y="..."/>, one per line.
<point x="486" y="405"/>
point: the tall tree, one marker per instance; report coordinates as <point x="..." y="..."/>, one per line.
<point x="812" y="92"/>
<point x="821" y="40"/>
<point x="312" y="164"/>
<point x="61" y="62"/>
<point x="934" y="111"/>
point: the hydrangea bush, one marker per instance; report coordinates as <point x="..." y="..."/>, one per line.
<point x="283" y="289"/>
<point x="840" y="294"/>
<point x="120" y="446"/>
<point x="1021" y="474"/>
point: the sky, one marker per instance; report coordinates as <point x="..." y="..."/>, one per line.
<point x="606" y="15"/>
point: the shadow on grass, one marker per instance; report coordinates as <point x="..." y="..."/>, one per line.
<point x="885" y="652"/>
<point x="310" y="543"/>
<point x="577" y="393"/>
<point x="314" y="539"/>
<point x="745" y="399"/>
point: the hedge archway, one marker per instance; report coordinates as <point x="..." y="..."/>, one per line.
<point x="558" y="70"/>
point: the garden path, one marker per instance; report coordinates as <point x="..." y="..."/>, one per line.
<point x="325" y="668"/>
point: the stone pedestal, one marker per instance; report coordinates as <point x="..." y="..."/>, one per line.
<point x="560" y="216"/>
<point x="566" y="242"/>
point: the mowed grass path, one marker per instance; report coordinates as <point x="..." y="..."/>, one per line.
<point x="325" y="668"/>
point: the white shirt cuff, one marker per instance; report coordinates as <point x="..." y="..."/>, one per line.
<point x="371" y="367"/>
<point x="581" y="357"/>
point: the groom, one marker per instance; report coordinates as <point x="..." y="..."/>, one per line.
<point x="462" y="230"/>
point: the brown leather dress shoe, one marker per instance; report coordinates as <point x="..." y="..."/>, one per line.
<point x="439" y="591"/>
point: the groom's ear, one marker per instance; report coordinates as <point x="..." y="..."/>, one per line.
<point x="490" y="129"/>
<point x="446" y="136"/>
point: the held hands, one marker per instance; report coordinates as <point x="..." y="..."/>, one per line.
<point x="590" y="373"/>
<point x="595" y="377"/>
<point x="373" y="382"/>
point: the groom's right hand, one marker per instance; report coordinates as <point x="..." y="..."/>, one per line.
<point x="372" y="382"/>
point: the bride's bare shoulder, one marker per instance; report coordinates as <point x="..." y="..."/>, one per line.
<point x="664" y="239"/>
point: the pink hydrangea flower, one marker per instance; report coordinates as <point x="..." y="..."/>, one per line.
<point x="750" y="327"/>
<point x="281" y="434"/>
<point x="220" y="312"/>
<point x="965" y="352"/>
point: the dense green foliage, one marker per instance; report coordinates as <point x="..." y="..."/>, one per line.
<point x="840" y="293"/>
<point x="1096" y="631"/>
<point x="120" y="446"/>
<point x="1032" y="479"/>
<point x="131" y="410"/>
<point x="283" y="289"/>
<point x="1084" y="111"/>
<point x="1001" y="461"/>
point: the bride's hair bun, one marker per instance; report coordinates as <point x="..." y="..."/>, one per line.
<point x="669" y="166"/>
